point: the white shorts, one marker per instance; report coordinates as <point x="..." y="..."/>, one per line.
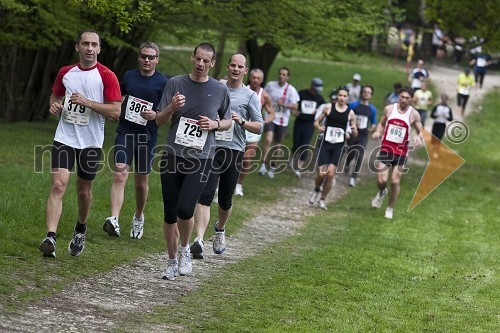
<point x="252" y="137"/>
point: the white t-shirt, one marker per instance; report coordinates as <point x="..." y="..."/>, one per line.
<point x="290" y="96"/>
<point x="98" y="84"/>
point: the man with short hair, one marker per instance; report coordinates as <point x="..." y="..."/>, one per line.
<point x="83" y="95"/>
<point x="196" y="105"/>
<point x="418" y="75"/>
<point x="230" y="147"/>
<point x="354" y="88"/>
<point x="394" y="130"/>
<point x="284" y="99"/>
<point x="136" y="137"/>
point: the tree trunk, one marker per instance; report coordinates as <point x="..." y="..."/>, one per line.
<point x="261" y="56"/>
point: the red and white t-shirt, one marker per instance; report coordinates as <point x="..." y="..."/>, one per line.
<point x="98" y="84"/>
<point x="397" y="132"/>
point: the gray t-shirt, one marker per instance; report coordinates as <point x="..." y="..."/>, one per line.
<point x="246" y="104"/>
<point x="210" y="99"/>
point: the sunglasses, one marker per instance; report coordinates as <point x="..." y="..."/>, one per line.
<point x="147" y="56"/>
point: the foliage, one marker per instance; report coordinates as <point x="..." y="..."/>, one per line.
<point x="467" y="19"/>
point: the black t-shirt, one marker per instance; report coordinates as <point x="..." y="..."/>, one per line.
<point x="308" y="103"/>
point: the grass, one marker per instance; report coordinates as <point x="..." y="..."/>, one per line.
<point x="433" y="269"/>
<point x="349" y="270"/>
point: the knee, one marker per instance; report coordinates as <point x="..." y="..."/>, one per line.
<point x="225" y="203"/>
<point x="58" y="188"/>
<point x="84" y="194"/>
<point x="120" y="177"/>
<point x="184" y="211"/>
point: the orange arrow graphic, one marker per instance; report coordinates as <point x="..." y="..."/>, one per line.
<point x="443" y="162"/>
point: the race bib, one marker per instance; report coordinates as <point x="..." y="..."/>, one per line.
<point x="464" y="90"/>
<point x="226" y="135"/>
<point x="189" y="134"/>
<point x="481" y="62"/>
<point x="279" y="111"/>
<point x="308" y="107"/>
<point x="334" y="134"/>
<point x="134" y="108"/>
<point x="75" y="114"/>
<point x="361" y="121"/>
<point x="395" y="133"/>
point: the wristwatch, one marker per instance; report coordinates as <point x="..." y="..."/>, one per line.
<point x="242" y="122"/>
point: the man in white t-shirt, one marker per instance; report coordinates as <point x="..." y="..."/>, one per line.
<point x="83" y="95"/>
<point x="285" y="99"/>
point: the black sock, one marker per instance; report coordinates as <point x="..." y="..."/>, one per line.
<point x="81" y="228"/>
<point x="316" y="189"/>
<point x="52" y="234"/>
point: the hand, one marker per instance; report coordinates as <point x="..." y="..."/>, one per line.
<point x="376" y="135"/>
<point x="148" y="114"/>
<point x="418" y="141"/>
<point x="236" y="117"/>
<point x="206" y="124"/>
<point x="77" y="98"/>
<point x="55" y="109"/>
<point x="321" y="129"/>
<point x="178" y="101"/>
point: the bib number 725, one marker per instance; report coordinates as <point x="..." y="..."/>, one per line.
<point x="192" y="130"/>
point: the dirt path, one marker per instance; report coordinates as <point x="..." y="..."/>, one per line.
<point x="104" y="300"/>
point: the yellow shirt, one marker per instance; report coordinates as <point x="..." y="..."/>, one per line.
<point x="465" y="83"/>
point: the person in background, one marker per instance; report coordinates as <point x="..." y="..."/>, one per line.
<point x="422" y="99"/>
<point x="441" y="113"/>
<point x="393" y="96"/>
<point x="303" y="128"/>
<point x="354" y="88"/>
<point x="465" y="83"/>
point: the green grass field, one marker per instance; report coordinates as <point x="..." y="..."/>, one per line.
<point x="434" y="269"/>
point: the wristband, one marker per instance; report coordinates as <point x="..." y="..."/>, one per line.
<point x="242" y="122"/>
<point x="218" y="124"/>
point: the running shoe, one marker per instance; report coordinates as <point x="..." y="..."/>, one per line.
<point x="313" y="197"/>
<point x="262" y="170"/>
<point x="322" y="204"/>
<point x="238" y="190"/>
<point x="48" y="247"/>
<point x="270" y="173"/>
<point x="377" y="201"/>
<point x="137" y="227"/>
<point x="298" y="173"/>
<point x="197" y="248"/>
<point x="219" y="244"/>
<point x="171" y="271"/>
<point x="389" y="213"/>
<point x="111" y="226"/>
<point x="77" y="244"/>
<point x="352" y="182"/>
<point x="185" y="266"/>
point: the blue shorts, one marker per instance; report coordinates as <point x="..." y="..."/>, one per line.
<point x="136" y="147"/>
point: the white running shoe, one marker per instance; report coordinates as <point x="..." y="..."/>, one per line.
<point x="262" y="170"/>
<point x="322" y="204"/>
<point x="313" y="197"/>
<point x="219" y="244"/>
<point x="377" y="201"/>
<point x="197" y="248"/>
<point x="238" y="190"/>
<point x="298" y="173"/>
<point x="111" y="226"/>
<point x="77" y="244"/>
<point x="352" y="182"/>
<point x="270" y="173"/>
<point x="389" y="213"/>
<point x="137" y="227"/>
<point x="171" y="271"/>
<point x="185" y="266"/>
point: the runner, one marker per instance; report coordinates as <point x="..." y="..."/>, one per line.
<point x="394" y="129"/>
<point x="303" y="128"/>
<point x="338" y="117"/>
<point x="366" y="121"/>
<point x="441" y="113"/>
<point x="255" y="80"/>
<point x="196" y="105"/>
<point x="284" y="98"/>
<point x="83" y="95"/>
<point x="246" y="115"/>
<point x="137" y="134"/>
